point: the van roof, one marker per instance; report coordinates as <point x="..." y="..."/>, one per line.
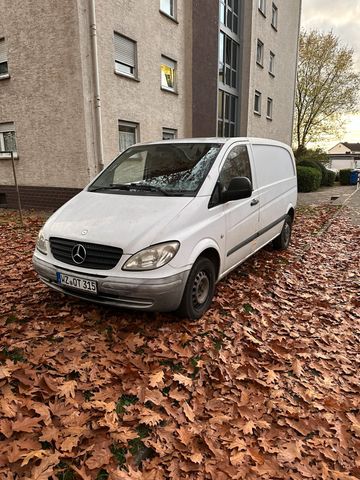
<point x="222" y="140"/>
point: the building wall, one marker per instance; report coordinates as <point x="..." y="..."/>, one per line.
<point x="44" y="94"/>
<point x="205" y="67"/>
<point x="339" y="148"/>
<point x="341" y="163"/>
<point x="143" y="101"/>
<point x="283" y="42"/>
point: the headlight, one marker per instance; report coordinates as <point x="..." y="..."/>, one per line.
<point x="152" y="257"/>
<point x="41" y="243"/>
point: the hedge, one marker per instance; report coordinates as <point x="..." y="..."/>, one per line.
<point x="319" y="166"/>
<point x="331" y="176"/>
<point x="309" y="179"/>
<point x="344" y="176"/>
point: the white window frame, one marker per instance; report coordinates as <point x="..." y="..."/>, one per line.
<point x="272" y="63"/>
<point x="167" y="11"/>
<point x="134" y="126"/>
<point x="269" y="108"/>
<point x="4" y="58"/>
<point x="262" y="6"/>
<point x="132" y="44"/>
<point x="171" y="63"/>
<point x="169" y="131"/>
<point x="5" y="128"/>
<point x="274" y="16"/>
<point x="260" y="48"/>
<point x="257" y="95"/>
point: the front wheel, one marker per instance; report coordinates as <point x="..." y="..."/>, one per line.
<point x="282" y="241"/>
<point x="199" y="289"/>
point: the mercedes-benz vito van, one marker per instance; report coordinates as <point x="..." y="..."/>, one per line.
<point x="165" y="221"/>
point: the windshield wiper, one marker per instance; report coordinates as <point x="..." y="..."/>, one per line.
<point x="112" y="186"/>
<point x="147" y="188"/>
<point x="137" y="186"/>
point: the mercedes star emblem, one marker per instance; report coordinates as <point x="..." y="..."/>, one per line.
<point x="78" y="254"/>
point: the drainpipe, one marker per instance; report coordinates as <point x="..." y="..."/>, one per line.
<point x="96" y="80"/>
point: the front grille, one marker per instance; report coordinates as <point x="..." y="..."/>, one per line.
<point x="100" y="257"/>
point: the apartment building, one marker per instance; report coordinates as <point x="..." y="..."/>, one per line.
<point x="81" y="80"/>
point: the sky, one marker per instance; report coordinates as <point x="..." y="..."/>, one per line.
<point x="344" y="19"/>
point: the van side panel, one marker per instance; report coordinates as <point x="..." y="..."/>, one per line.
<point x="277" y="187"/>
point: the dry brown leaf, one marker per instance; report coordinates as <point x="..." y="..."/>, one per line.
<point x="189" y="412"/>
<point x="156" y="379"/>
<point x="183" y="379"/>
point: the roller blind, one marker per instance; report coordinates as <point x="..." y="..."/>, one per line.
<point x="3" y="54"/>
<point x="7" y="127"/>
<point x="169" y="63"/>
<point x="124" y="50"/>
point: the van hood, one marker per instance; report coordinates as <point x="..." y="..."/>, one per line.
<point x="130" y="222"/>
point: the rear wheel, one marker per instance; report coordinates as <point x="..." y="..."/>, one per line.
<point x="199" y="289"/>
<point x="283" y="240"/>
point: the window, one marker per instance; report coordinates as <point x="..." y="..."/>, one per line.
<point x="4" y="71"/>
<point x="169" y="134"/>
<point x="260" y="53"/>
<point x="257" y="102"/>
<point x="237" y="164"/>
<point x="128" y="135"/>
<point x="227" y="106"/>
<point x="125" y="55"/>
<point x="262" y="6"/>
<point x="228" y="61"/>
<point x="7" y="137"/>
<point x="229" y="14"/>
<point x="272" y="64"/>
<point x="168" y="74"/>
<point x="274" y="16"/>
<point x="269" y="108"/>
<point x="168" y="7"/>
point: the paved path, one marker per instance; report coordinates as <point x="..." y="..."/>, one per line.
<point x="337" y="195"/>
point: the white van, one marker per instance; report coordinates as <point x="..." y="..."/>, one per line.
<point x="165" y="221"/>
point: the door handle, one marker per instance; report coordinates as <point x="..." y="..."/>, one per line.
<point x="255" y="201"/>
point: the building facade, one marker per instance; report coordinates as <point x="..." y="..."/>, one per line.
<point x="344" y="155"/>
<point x="81" y="80"/>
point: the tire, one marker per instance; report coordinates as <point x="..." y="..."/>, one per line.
<point x="282" y="241"/>
<point x="199" y="289"/>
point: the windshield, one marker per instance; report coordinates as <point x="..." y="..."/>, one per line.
<point x="163" y="169"/>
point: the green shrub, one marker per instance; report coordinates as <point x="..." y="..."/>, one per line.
<point x="309" y="179"/>
<point x="319" y="166"/>
<point x="344" y="176"/>
<point x="331" y="176"/>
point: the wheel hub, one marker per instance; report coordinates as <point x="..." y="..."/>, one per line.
<point x="200" y="290"/>
<point x="287" y="233"/>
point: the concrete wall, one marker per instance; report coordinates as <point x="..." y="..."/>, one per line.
<point x="143" y="101"/>
<point x="283" y="42"/>
<point x="44" y="94"/>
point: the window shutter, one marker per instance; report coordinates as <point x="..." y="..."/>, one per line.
<point x="3" y="53"/>
<point x="124" y="50"/>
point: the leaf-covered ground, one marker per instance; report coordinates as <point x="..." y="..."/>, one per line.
<point x="264" y="386"/>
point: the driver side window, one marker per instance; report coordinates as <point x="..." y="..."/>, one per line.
<point x="237" y="164"/>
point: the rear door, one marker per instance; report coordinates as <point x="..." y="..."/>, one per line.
<point x="242" y="216"/>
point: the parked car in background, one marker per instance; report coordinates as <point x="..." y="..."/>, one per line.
<point x="165" y="221"/>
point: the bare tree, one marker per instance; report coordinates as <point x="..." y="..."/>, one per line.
<point x="327" y="86"/>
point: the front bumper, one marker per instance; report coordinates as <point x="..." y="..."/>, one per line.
<point x="155" y="294"/>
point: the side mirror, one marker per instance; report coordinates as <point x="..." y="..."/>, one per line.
<point x="239" y="187"/>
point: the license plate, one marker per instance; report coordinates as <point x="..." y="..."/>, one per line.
<point x="66" y="280"/>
